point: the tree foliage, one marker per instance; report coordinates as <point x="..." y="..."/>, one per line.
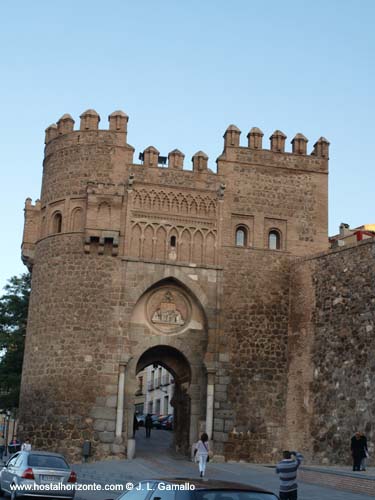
<point x="14" y="305"/>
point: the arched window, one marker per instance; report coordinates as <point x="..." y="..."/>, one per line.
<point x="57" y="222"/>
<point x="241" y="236"/>
<point x="274" y="240"/>
<point x="173" y="241"/>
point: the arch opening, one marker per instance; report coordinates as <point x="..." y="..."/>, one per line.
<point x="169" y="332"/>
<point x="166" y="376"/>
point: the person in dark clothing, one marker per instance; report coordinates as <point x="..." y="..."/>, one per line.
<point x="358" y="450"/>
<point x="135" y="425"/>
<point x="148" y="425"/>
<point x="364" y="459"/>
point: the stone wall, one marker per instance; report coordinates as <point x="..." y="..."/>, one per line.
<point x="331" y="356"/>
<point x="254" y="348"/>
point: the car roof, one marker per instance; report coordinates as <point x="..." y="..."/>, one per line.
<point x="212" y="484"/>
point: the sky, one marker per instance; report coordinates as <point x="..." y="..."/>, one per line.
<point x="183" y="71"/>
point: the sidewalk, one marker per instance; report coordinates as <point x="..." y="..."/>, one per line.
<point x="341" y="478"/>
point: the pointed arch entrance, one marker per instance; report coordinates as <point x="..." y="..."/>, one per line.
<point x="168" y="328"/>
<point x="176" y="363"/>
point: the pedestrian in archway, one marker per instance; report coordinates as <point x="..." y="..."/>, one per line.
<point x="365" y="448"/>
<point x="148" y="425"/>
<point x="2" y="447"/>
<point x="201" y="452"/>
<point x="135" y="425"/>
<point x="358" y="448"/>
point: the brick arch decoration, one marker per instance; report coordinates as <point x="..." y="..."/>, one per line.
<point x="178" y="203"/>
<point x="145" y="236"/>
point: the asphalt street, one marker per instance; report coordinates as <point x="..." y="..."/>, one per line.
<point x="155" y="458"/>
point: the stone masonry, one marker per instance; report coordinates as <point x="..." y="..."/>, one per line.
<point x="224" y="278"/>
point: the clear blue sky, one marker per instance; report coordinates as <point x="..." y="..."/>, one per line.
<point x="183" y="71"/>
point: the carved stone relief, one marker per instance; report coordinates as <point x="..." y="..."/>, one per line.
<point x="168" y="310"/>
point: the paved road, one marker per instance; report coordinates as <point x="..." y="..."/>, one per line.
<point x="155" y="458"/>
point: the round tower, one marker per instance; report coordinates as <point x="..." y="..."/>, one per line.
<point x="71" y="240"/>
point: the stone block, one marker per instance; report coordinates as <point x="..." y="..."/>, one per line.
<point x="111" y="402"/>
<point x="220" y="388"/>
<point x="100" y="425"/>
<point x="218" y="424"/>
<point x="117" y="448"/>
<point x="228" y="425"/>
<point x="220" y="437"/>
<point x="111" y="425"/>
<point x="103" y="413"/>
<point x="106" y="437"/>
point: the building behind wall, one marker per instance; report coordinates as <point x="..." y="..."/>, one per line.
<point x="224" y="278"/>
<point x="160" y="389"/>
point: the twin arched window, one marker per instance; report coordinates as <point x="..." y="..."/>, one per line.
<point x="274" y="240"/>
<point x="242" y="238"/>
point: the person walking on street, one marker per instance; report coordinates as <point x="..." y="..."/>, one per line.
<point x="358" y="447"/>
<point x="202" y="453"/>
<point x="2" y="446"/>
<point x="135" y="425"/>
<point x="26" y="446"/>
<point x="148" y="425"/>
<point x="14" y="446"/>
<point x="287" y="470"/>
<point x="364" y="459"/>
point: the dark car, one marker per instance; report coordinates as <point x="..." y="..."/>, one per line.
<point x="194" y="489"/>
<point x="167" y="423"/>
<point x="156" y="421"/>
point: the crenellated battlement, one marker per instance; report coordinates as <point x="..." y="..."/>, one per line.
<point x="89" y="121"/>
<point x="277" y="142"/>
<point x="255" y="154"/>
<point x="62" y="134"/>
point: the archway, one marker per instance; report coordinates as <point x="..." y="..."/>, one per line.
<point x="168" y="328"/>
<point x="178" y="366"/>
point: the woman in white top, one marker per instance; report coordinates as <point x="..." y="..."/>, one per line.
<point x="26" y="446"/>
<point x="202" y="450"/>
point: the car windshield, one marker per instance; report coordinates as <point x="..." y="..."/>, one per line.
<point x="48" y="462"/>
<point x="232" y="495"/>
